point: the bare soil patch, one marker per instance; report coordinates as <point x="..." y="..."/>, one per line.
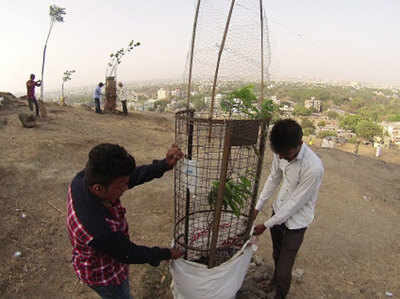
<point x="351" y="251"/>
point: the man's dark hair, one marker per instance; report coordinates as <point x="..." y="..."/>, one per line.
<point x="286" y="134"/>
<point x="101" y="84"/>
<point x="32" y="76"/>
<point x="107" y="162"/>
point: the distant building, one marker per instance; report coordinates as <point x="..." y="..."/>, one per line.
<point x="287" y="108"/>
<point x="162" y="94"/>
<point x="177" y="92"/>
<point x="393" y="130"/>
<point x="313" y="104"/>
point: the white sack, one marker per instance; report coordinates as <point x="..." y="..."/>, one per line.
<point x="195" y="281"/>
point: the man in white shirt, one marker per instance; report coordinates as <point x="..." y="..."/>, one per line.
<point x="123" y="96"/>
<point x="300" y="171"/>
<point x="97" y="96"/>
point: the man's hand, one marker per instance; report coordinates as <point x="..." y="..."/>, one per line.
<point x="174" y="154"/>
<point x="259" y="229"/>
<point x="175" y="253"/>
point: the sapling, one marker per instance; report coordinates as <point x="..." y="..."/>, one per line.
<point x="116" y="58"/>
<point x="56" y="15"/>
<point x="66" y="77"/>
<point x="245" y="102"/>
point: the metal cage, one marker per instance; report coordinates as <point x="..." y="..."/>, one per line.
<point x="215" y="151"/>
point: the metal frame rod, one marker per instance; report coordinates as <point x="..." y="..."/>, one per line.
<point x="261" y="150"/>
<point x="262" y="52"/>
<point x="189" y="157"/>
<point x="192" y="52"/>
<point x="221" y="191"/>
<point x="221" y="48"/>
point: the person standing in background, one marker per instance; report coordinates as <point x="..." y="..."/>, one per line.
<point x="30" y="87"/>
<point x="97" y="96"/>
<point x="122" y="93"/>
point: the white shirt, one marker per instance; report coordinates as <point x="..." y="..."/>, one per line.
<point x="97" y="93"/>
<point x="301" y="179"/>
<point x="122" y="93"/>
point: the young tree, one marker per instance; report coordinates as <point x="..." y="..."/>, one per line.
<point x="116" y="58"/>
<point x="66" y="77"/>
<point x="244" y="101"/>
<point x="56" y="15"/>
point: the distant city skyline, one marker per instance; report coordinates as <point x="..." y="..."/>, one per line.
<point x="331" y="41"/>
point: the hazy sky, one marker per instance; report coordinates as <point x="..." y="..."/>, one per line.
<point x="333" y="40"/>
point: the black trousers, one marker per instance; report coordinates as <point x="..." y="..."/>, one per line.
<point x="97" y="102"/>
<point x="34" y="101"/>
<point x="124" y="108"/>
<point x="286" y="243"/>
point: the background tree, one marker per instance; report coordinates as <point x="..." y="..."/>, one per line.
<point x="66" y="77"/>
<point x="368" y="130"/>
<point x="323" y="134"/>
<point x="306" y="123"/>
<point x="394" y="117"/>
<point x="332" y="115"/>
<point x="56" y="15"/>
<point x="199" y="102"/>
<point x="321" y="123"/>
<point x="300" y="110"/>
<point x="350" y="122"/>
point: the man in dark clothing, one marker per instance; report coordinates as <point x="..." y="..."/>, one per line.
<point x="30" y="88"/>
<point x="96" y="221"/>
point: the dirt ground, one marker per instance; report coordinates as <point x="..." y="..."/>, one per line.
<point x="352" y="250"/>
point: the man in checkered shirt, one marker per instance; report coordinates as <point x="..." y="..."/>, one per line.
<point x="96" y="221"/>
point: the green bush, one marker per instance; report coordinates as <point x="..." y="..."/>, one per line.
<point x="323" y="134"/>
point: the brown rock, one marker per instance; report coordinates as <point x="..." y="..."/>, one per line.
<point x="27" y="120"/>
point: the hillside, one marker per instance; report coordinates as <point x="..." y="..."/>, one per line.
<point x="351" y="251"/>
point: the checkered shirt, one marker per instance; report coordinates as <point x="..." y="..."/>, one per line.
<point x="91" y="266"/>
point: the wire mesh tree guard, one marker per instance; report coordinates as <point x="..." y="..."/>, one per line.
<point x="216" y="185"/>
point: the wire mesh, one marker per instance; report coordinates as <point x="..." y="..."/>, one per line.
<point x="228" y="50"/>
<point x="194" y="215"/>
<point x="241" y="59"/>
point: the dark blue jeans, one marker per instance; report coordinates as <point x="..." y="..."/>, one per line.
<point x="114" y="291"/>
<point x="34" y="101"/>
<point x="97" y="102"/>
